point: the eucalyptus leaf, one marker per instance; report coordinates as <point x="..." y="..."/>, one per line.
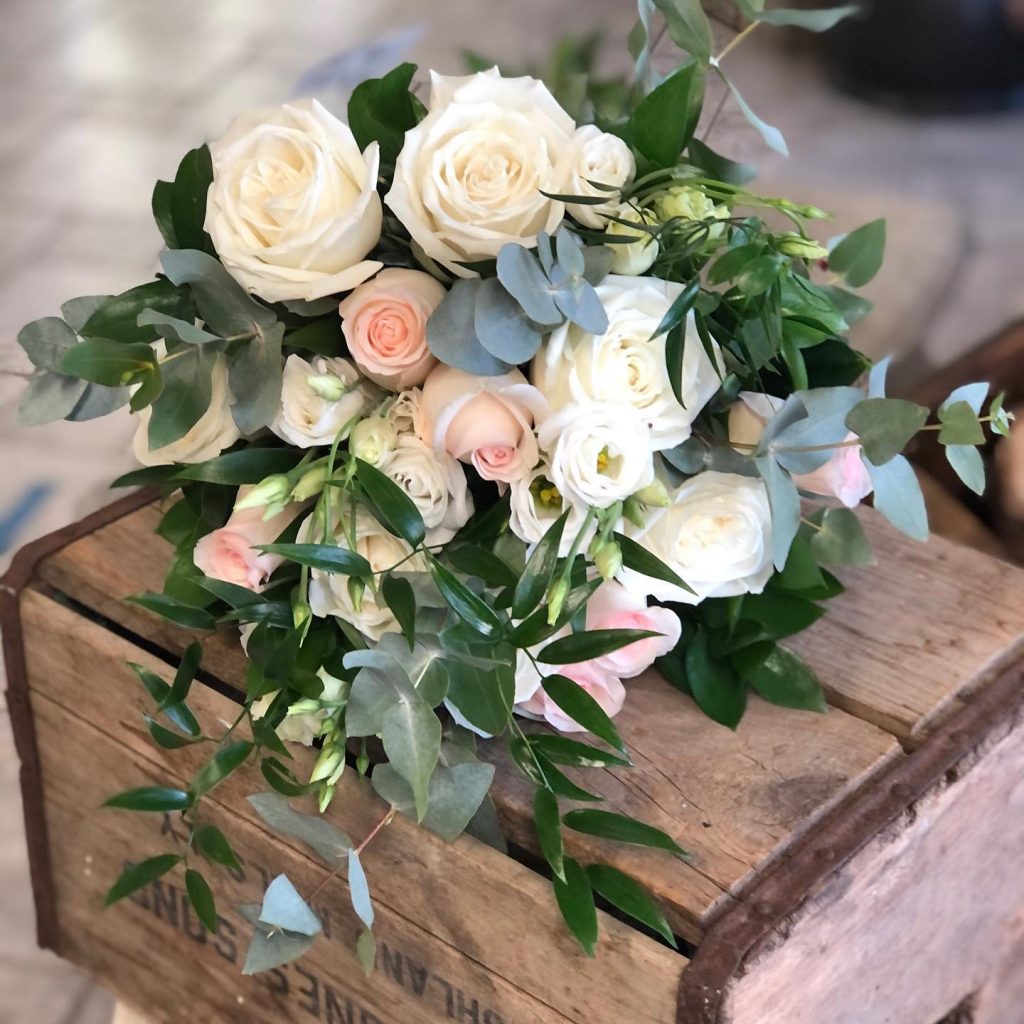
<point x="185" y="397"/>
<point x="840" y="539"/>
<point x="815" y="20"/>
<point x="411" y="735"/>
<point x="858" y="257"/>
<point x="96" y="401"/>
<point x="49" y="397"/>
<point x="76" y="312"/>
<point x="359" y="890"/>
<point x="173" y="328"/>
<point x="784" y="501"/>
<point x="501" y="325"/>
<point x="960" y="424"/>
<point x="522" y="277"/>
<point x="885" y="426"/>
<point x="313" y="830"/>
<point x="45" y="341"/>
<point x="688" y="26"/>
<point x="270" y="949"/>
<point x="452" y="337"/>
<point x="967" y="463"/>
<point x="898" y="496"/>
<point x="284" y="908"/>
<point x="771" y="135"/>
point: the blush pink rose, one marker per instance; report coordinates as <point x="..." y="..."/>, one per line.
<point x="385" y="325"/>
<point x="485" y="421"/>
<point x="614" y="607"/>
<point x="230" y="554"/>
<point x="604" y="686"/>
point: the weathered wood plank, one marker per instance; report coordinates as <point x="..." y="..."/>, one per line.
<point x="448" y="891"/>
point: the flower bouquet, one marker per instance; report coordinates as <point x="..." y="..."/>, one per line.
<point x="468" y="413"/>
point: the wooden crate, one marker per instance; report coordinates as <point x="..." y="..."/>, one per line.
<point x="859" y="867"/>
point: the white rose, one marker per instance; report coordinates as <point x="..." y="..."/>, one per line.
<point x="470" y="176"/>
<point x="373" y="440"/>
<point x="329" y="592"/>
<point x="303" y="727"/>
<point x="214" y="431"/>
<point x="626" y="365"/>
<point x="435" y="482"/>
<point x="600" y="157"/>
<point x="598" y="453"/>
<point x="716" y="535"/>
<point x="536" y="503"/>
<point x="318" y="399"/>
<point x="637" y="255"/>
<point x="293" y="208"/>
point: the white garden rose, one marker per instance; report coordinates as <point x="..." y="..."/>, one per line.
<point x="536" y="503"/>
<point x="597" y="453"/>
<point x="600" y="157"/>
<point x="471" y="175"/>
<point x="626" y="365"/>
<point x="318" y="399"/>
<point x="436" y="483"/>
<point x="304" y="726"/>
<point x="214" y="431"/>
<point x="329" y="592"/>
<point x="293" y="209"/>
<point x="636" y="254"/>
<point x="716" y="535"/>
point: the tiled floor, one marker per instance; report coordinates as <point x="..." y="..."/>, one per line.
<point x="101" y="97"/>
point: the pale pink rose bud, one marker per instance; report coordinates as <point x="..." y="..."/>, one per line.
<point x="230" y="554"/>
<point x="485" y="421"/>
<point x="605" y="687"/>
<point x="385" y="325"/>
<point x="613" y="607"/>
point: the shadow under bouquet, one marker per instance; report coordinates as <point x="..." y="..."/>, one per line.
<point x="467" y="413"/>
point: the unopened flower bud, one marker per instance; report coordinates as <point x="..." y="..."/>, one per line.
<point x="327" y="763"/>
<point x="633" y="510"/>
<point x="654" y="494"/>
<point x="373" y="439"/>
<point x="356" y="588"/>
<point x="556" y="598"/>
<point x="324" y="798"/>
<point x="608" y="559"/>
<point x="272" y="490"/>
<point x="301" y="613"/>
<point x="306" y="706"/>
<point x="328" y="386"/>
<point x="310" y="484"/>
<point x="796" y="245"/>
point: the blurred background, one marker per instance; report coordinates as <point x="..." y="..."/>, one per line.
<point x="912" y="114"/>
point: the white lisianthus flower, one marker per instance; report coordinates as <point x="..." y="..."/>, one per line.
<point x="293" y="209"/>
<point x="305" y="726"/>
<point x="536" y="503"/>
<point x="318" y="399"/>
<point x="598" y="453"/>
<point x="600" y="157"/>
<point x="636" y="255"/>
<point x="471" y="175"/>
<point x="329" y="592"/>
<point x="436" y="484"/>
<point x="214" y="431"/>
<point x="373" y="440"/>
<point x="685" y="202"/>
<point x="716" y="535"/>
<point x="626" y="365"/>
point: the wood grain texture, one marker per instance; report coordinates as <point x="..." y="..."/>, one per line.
<point x="429" y="894"/>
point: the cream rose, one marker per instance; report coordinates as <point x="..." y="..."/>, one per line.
<point x="485" y="421"/>
<point x="626" y="365"/>
<point x="385" y="324"/>
<point x="403" y="412"/>
<point x="303" y="726"/>
<point x="319" y="399"/>
<point x="436" y="483"/>
<point x="471" y="175"/>
<point x="598" y="453"/>
<point x="231" y="554"/>
<point x="293" y="209"/>
<point x="600" y="157"/>
<point x="844" y="476"/>
<point x="636" y="254"/>
<point x="214" y="431"/>
<point x="536" y="503"/>
<point x="716" y="535"/>
<point x="611" y="606"/>
<point x="329" y="592"/>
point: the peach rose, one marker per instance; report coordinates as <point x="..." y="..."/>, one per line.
<point x="844" y="476"/>
<point x="230" y="554"/>
<point x="614" y="607"/>
<point x="385" y="324"/>
<point x="486" y="421"/>
<point x="604" y="686"/>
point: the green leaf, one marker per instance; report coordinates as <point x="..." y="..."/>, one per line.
<point x="185" y="397"/>
<point x="76" y="312"/>
<point x="688" y="26"/>
<point x="539" y="570"/>
<point x="563" y="750"/>
<point x="283" y="907"/>
<point x="49" y="397"/>
<point x="472" y="609"/>
<point x="175" y="329"/>
<point x="117" y="319"/>
<point x="46" y="341"/>
<point x="483" y="696"/>
<point x="175" y="611"/>
<point x="151" y="798"/>
<point x="639" y="559"/>
<point x="255" y="377"/>
<point x="111" y="363"/>
<point x="325" y="557"/>
<point x="163" y="192"/>
<point x="576" y="902"/>
<point x="313" y="830"/>
<point x="674" y="317"/>
<point x="165" y="738"/>
<point x="608" y="825"/>
<point x="281" y="779"/>
<point x="858" y="257"/>
<point x="664" y="121"/>
<point x="960" y="425"/>
<point x="359" y="889"/>
<point x="811" y="20"/>
<point x="772" y="136"/>
<point x="501" y="325"/>
<point x="582" y="709"/>
<point x="968" y="465"/>
<point x="484" y="564"/>
<point x="201" y="897"/>
<point x="270" y="949"/>
<point x="393" y="506"/>
<point x="631" y="898"/>
<point x="226" y="760"/>
<point x="898" y="496"/>
<point x="840" y="539"/>
<point x="323" y="336"/>
<point x="179" y="714"/>
<point x="759" y="274"/>
<point x="784" y="501"/>
<point x="214" y="846"/>
<point x="411" y="735"/>
<point x="577" y="647"/>
<point x="401" y="599"/>
<point x="716" y="688"/>
<point x="716" y="166"/>
<point x="138" y="876"/>
<point x="549" y="830"/>
<point x="785" y="679"/>
<point x="885" y="426"/>
<point x="188" y="200"/>
<point x="366" y="951"/>
<point x="451" y="332"/>
<point x="1001" y="420"/>
<point x="383" y="110"/>
<point x="186" y="672"/>
<point x="245" y="466"/>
